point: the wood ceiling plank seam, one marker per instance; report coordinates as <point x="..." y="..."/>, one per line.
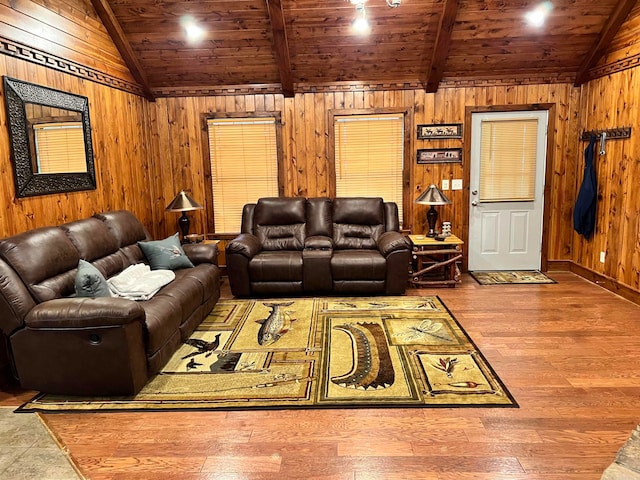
<point x="54" y="36"/>
<point x="122" y="44"/>
<point x="198" y="10"/>
<point x="212" y="46"/>
<point x="75" y="12"/>
<point x="131" y="25"/>
<point x="46" y="16"/>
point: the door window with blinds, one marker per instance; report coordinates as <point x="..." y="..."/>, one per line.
<point x="369" y="156"/>
<point x="244" y="166"/>
<point x="508" y="160"/>
<point x="59" y="147"/>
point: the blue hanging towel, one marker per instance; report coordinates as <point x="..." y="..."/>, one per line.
<point x="584" y="212"/>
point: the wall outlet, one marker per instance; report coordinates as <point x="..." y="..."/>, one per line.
<point x="602" y="255"/>
<point x="456" y="184"/>
<point x="445" y="184"/>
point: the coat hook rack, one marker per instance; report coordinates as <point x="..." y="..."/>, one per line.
<point x="611" y="133"/>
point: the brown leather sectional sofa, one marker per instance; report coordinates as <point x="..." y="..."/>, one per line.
<point x="95" y="346"/>
<point x="318" y="246"/>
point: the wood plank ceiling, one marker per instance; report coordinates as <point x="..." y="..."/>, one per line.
<point x="302" y="45"/>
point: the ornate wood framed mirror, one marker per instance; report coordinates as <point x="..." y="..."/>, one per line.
<point x="50" y="136"/>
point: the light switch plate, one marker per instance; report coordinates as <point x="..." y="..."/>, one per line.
<point x="445" y="184"/>
<point x="456" y="184"/>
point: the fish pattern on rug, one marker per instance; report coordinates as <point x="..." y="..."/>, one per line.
<point x="315" y="352"/>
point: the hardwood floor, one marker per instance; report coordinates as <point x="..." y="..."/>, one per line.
<point x="568" y="352"/>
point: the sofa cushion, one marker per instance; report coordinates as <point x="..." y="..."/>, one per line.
<point x="281" y="237"/>
<point x="282" y="266"/>
<point x="165" y="254"/>
<point x="124" y="226"/>
<point x="113" y="264"/>
<point x="45" y="259"/>
<point x="163" y="316"/>
<point x="127" y="230"/>
<point x="351" y="236"/>
<point x="187" y="292"/>
<point x="84" y="233"/>
<point x="357" y="222"/>
<point x="279" y="211"/>
<point x="319" y="217"/>
<point x="204" y="279"/>
<point x="359" y="210"/>
<point x="279" y="223"/>
<point x="90" y="282"/>
<point x="358" y="265"/>
<point x="105" y="255"/>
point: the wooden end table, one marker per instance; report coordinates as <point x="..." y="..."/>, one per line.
<point x="434" y="262"/>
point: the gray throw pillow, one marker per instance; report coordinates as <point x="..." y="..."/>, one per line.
<point x="90" y="282"/>
<point x="165" y="254"/>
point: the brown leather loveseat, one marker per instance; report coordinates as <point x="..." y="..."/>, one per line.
<point x="66" y="344"/>
<point x="318" y="246"/>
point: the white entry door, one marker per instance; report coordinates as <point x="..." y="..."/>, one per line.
<point x="508" y="159"/>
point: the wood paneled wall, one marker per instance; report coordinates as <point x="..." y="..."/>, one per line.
<point x="146" y="152"/>
<point x="120" y="141"/>
<point x="611" y="102"/>
<point x="177" y="146"/>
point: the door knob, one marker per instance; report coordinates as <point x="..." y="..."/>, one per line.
<point x="474" y="203"/>
<point x="474" y="192"/>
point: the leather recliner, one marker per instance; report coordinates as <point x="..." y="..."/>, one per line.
<point x="318" y="246"/>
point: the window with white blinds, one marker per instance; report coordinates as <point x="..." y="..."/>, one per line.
<point x="60" y="147"/>
<point x="369" y="152"/>
<point x="244" y="166"/>
<point x="508" y="160"/>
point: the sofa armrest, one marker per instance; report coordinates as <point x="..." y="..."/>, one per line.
<point x="392" y="242"/>
<point x="245" y="244"/>
<point x="84" y="312"/>
<point x="201" y="253"/>
<point x="318" y="242"/>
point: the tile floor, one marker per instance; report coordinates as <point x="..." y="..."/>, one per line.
<point x="28" y="451"/>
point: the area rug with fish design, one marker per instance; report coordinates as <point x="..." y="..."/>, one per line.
<point x="315" y="352"/>
<point x="510" y="277"/>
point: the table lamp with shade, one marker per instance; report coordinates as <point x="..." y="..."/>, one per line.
<point x="432" y="196"/>
<point x="183" y="203"/>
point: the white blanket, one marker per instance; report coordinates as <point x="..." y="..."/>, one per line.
<point x="139" y="282"/>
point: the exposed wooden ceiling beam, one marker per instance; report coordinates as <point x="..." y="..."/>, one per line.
<point x="281" y="45"/>
<point x="114" y="29"/>
<point x="614" y="22"/>
<point x="441" y="48"/>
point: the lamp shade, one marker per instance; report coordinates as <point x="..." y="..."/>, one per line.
<point x="433" y="196"/>
<point x="183" y="203"/>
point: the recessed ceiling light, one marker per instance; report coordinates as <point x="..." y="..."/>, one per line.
<point x="192" y="30"/>
<point x="361" y="25"/>
<point x="538" y="16"/>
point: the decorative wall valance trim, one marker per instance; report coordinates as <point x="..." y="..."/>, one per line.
<point x="614" y="67"/>
<point x="461" y="82"/>
<point x="33" y="55"/>
<point x="336" y="87"/>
